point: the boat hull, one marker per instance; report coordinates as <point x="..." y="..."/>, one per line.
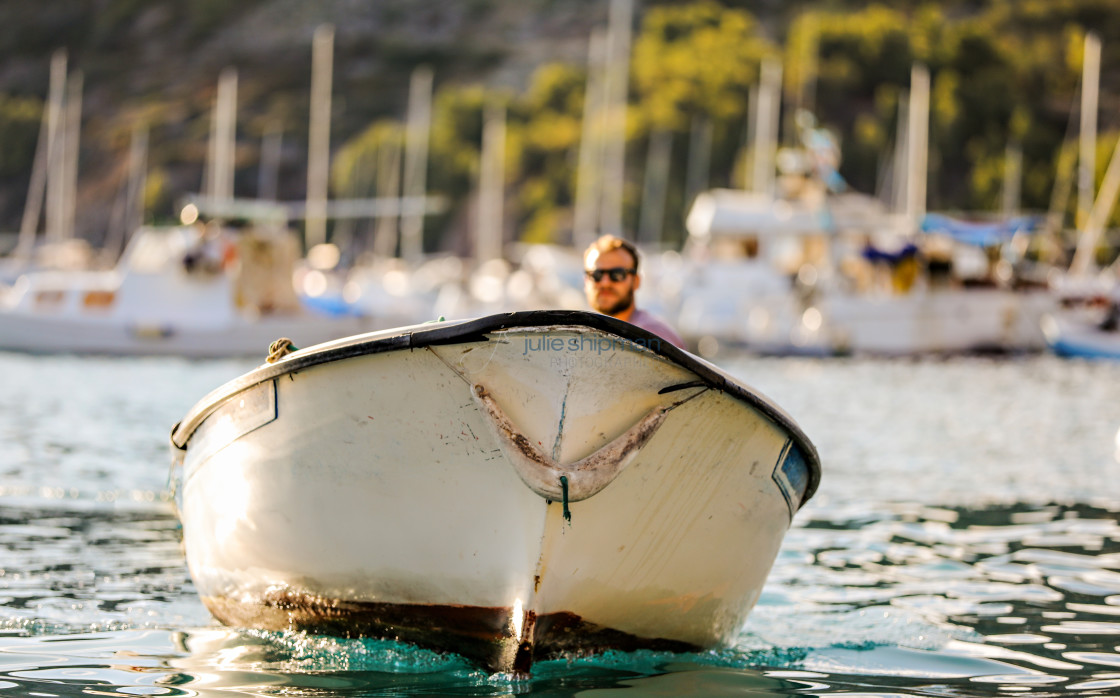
<point x="153" y="303"/>
<point x="946" y="321"/>
<point x="396" y="490"/>
<point x="111" y="336"/>
<point x="1081" y="336"/>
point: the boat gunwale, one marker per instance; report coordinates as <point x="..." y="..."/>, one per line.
<point x="476" y="330"/>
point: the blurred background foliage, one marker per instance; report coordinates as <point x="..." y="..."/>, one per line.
<point x="1003" y="72"/>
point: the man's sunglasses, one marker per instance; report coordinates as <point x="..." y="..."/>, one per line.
<point x="616" y="274"/>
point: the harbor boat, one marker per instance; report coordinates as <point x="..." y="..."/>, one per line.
<point x="183" y="291"/>
<point x="808" y="265"/>
<point x="957" y="287"/>
<point x="1084" y="333"/>
<point x="842" y="278"/>
<point x="511" y="488"/>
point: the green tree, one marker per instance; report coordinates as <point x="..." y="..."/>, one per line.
<point x="19" y="129"/>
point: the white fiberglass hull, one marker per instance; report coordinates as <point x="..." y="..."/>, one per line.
<point x="509" y="488"/>
<point x="948" y="321"/>
<point x="232" y="335"/>
<point x="154" y="303"/>
<point x="1081" y="335"/>
<point x="955" y="321"/>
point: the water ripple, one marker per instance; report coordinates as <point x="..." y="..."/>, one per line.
<point x="965" y="542"/>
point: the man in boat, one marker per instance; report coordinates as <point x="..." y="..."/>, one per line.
<point x="610" y="279"/>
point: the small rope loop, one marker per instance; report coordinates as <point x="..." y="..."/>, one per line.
<point x="279" y="349"/>
<point x="564" y="489"/>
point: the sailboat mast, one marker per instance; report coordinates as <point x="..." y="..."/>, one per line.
<point x="1098" y="216"/>
<point x="386" y="234"/>
<point x="585" y="218"/>
<point x="417" y="134"/>
<point x="617" y="83"/>
<point x="767" y="116"/>
<point x="918" y="147"/>
<point x="491" y="187"/>
<point x="1087" y="162"/>
<point x="56" y="186"/>
<point x="223" y="134"/>
<point x="73" y="114"/>
<point x="319" y="134"/>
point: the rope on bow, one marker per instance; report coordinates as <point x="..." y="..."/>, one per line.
<point x="279" y="349"/>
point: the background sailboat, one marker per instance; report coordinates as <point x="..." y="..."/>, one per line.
<point x="201" y="289"/>
<point x="839" y="273"/>
<point x="1086" y="323"/>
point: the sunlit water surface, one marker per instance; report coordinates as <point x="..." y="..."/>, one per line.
<point x="964" y="542"/>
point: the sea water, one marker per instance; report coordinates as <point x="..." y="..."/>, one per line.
<point x="964" y="542"/>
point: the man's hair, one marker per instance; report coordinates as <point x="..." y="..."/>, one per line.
<point x="610" y="243"/>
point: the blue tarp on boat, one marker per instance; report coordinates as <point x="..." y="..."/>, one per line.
<point x="982" y="234"/>
<point x="878" y="254"/>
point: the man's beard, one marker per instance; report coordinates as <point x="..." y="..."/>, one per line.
<point x="619" y="306"/>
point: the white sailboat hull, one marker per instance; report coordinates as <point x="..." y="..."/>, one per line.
<point x="152" y="305"/>
<point x="1081" y="335"/>
<point x="166" y="336"/>
<point x="405" y="486"/>
<point x="951" y="321"/>
<point x="938" y="322"/>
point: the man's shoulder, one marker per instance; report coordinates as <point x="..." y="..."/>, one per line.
<point x="652" y="323"/>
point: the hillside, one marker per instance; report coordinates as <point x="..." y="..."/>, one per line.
<point x="1003" y="75"/>
<point x="158" y="63"/>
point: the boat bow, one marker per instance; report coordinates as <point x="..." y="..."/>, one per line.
<point x="512" y="488"/>
<point x="572" y="482"/>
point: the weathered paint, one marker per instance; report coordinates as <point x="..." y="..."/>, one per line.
<point x="479" y="634"/>
<point x="586" y="476"/>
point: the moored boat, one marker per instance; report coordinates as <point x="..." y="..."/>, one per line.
<point x="1082" y="335"/>
<point x="177" y="291"/>
<point x="510" y="488"/>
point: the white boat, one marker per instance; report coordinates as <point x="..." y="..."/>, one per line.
<point x="176" y="291"/>
<point x="782" y="277"/>
<point x="511" y="488"/>
<point x="955" y="320"/>
<point x="1084" y="332"/>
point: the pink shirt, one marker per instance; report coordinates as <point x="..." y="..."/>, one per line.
<point x="652" y="324"/>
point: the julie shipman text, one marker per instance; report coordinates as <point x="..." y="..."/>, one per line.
<point x="587" y="343"/>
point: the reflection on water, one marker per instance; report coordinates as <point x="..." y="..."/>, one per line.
<point x="967" y="430"/>
<point x="964" y="542"/>
<point x="937" y="601"/>
<point x="82" y="571"/>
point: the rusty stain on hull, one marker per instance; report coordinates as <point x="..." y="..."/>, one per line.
<point x="585" y="477"/>
<point x="562" y="634"/>
<point x="481" y="635"/>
